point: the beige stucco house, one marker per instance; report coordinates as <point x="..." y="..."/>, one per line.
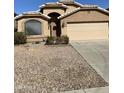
<point x="65" y="17"/>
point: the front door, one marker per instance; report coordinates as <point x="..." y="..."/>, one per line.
<point x="54" y="22"/>
<point x="53" y="29"/>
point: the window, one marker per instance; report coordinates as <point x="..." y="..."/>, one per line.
<point x="33" y="27"/>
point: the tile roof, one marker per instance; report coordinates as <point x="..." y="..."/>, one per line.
<point x="49" y="5"/>
<point x="72" y="3"/>
<point x="31" y="13"/>
<point x="84" y="7"/>
<point x="63" y="5"/>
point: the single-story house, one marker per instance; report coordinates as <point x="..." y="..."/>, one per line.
<point x="65" y="17"/>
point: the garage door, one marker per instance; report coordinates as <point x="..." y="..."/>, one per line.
<point x="87" y="31"/>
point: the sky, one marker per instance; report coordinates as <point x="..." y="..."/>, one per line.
<point x="32" y="5"/>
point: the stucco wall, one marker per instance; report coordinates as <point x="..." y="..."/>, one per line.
<point x="47" y="11"/>
<point x="83" y="16"/>
<point x="71" y="8"/>
<point x="87" y="15"/>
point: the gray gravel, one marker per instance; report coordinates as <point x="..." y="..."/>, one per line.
<point x="51" y="69"/>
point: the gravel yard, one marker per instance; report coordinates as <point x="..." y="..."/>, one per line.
<point x="46" y="69"/>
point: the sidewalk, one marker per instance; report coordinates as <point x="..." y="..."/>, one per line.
<point x="92" y="90"/>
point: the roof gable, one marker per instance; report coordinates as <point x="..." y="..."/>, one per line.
<point x="84" y="8"/>
<point x="32" y="14"/>
<point x="73" y="3"/>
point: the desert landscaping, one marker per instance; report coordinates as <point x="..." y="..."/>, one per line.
<point x="52" y="69"/>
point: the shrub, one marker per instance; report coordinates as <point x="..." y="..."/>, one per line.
<point x="57" y="40"/>
<point x="19" y="38"/>
<point x="50" y="40"/>
<point x="65" y="39"/>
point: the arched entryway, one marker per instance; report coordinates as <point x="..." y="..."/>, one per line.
<point x="33" y="27"/>
<point x="54" y="24"/>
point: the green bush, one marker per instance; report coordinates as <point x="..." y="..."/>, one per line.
<point x="57" y="40"/>
<point x="50" y="40"/>
<point x="65" y="39"/>
<point x="19" y="38"/>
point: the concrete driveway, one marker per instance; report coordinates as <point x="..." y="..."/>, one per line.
<point x="96" y="53"/>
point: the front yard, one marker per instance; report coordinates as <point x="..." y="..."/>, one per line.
<point x="40" y="68"/>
